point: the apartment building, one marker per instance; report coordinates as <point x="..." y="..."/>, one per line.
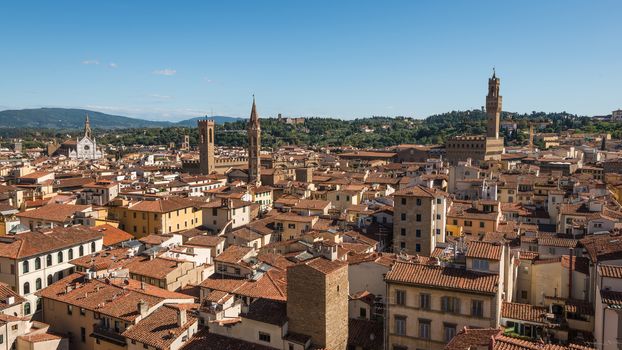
<point x="419" y="220"/>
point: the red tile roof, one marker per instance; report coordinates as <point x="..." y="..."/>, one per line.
<point x="431" y="276"/>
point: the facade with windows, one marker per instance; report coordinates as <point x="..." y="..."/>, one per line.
<point x="32" y="261"/>
<point x="428" y="304"/>
<point x="419" y="221"/>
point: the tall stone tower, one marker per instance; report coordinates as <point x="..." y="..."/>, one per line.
<point x="254" y="147"/>
<point x="206" y="146"/>
<point x="493" y="107"/>
<point x="317" y="302"/>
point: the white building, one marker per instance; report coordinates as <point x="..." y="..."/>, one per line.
<point x="86" y="148"/>
<point x="31" y="261"/>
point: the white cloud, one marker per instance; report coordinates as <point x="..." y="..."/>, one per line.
<point x="112" y="65"/>
<point x="165" y="71"/>
<point x="90" y="62"/>
<point x="161" y="97"/>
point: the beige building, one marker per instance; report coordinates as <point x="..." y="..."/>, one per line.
<point x="419" y="220"/>
<point x="428" y="304"/>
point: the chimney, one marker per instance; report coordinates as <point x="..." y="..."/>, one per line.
<point x="10" y="300"/>
<point x="143" y="308"/>
<point x="182" y="317"/>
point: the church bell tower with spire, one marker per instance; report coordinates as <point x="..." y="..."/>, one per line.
<point x="254" y="147"/>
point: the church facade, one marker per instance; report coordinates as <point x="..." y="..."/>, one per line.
<point x="84" y="148"/>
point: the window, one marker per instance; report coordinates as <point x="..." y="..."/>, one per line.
<point x="449" y="331"/>
<point x="477" y="308"/>
<point x="403" y="201"/>
<point x="424" y="328"/>
<point x="38" y="284"/>
<point x="27" y="288"/>
<point x="418" y="217"/>
<point x="70" y="254"/>
<point x="418" y="201"/>
<point x="92" y="247"/>
<point x="400" y="297"/>
<point x="60" y="257"/>
<point x="418" y="232"/>
<point x="450" y="304"/>
<point x="402" y="245"/>
<point x="48" y="260"/>
<point x="481" y="224"/>
<point x="403" y="216"/>
<point x="424" y="301"/>
<point x="417" y="247"/>
<point x="455" y="222"/>
<point x="83" y="334"/>
<point x="363" y="312"/>
<point x="291" y="226"/>
<point x="69" y="309"/>
<point x="37" y="263"/>
<point x="25" y="267"/>
<point x="400" y="325"/>
<point x="438" y="216"/>
<point x="82" y="311"/>
<point x="264" y="337"/>
<point x="145" y="346"/>
<point x="50" y="279"/>
<point x="403" y="231"/>
<point x="480" y="264"/>
<point x="81" y="251"/>
<point x="523" y="294"/>
<point x="1" y="338"/>
<point x="468" y="223"/>
<point x="27" y="308"/>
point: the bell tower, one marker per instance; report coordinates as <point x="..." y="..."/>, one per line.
<point x="254" y="147"/>
<point x="206" y="146"/>
<point x="493" y="107"/>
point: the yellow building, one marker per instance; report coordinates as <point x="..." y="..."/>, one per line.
<point x="477" y="217"/>
<point x="156" y="216"/>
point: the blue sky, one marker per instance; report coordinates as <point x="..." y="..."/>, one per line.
<point x="172" y="60"/>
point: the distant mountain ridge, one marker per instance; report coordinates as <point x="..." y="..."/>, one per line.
<point x="73" y="118"/>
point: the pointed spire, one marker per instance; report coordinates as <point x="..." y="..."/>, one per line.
<point x="254" y="116"/>
<point x="494" y="73"/>
<point x="87" y="127"/>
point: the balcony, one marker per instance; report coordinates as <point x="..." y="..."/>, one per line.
<point x="108" y="334"/>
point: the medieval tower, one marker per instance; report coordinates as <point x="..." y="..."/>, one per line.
<point x="317" y="302"/>
<point x="493" y="107"/>
<point x="254" y="147"/>
<point x="206" y="146"/>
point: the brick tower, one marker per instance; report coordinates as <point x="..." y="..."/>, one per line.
<point x="317" y="302"/>
<point x="206" y="146"/>
<point x="254" y="147"/>
<point x="493" y="107"/>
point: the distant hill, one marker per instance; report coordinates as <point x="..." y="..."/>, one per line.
<point x="67" y="118"/>
<point x="218" y="119"/>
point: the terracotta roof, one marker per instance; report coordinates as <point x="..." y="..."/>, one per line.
<point x="165" y="205"/>
<point x="5" y="293"/>
<point x="469" y="338"/>
<point x="611" y="271"/>
<point x="267" y="311"/>
<point x="33" y="243"/>
<point x="603" y="247"/>
<point x="579" y="264"/>
<point x="112" y="235"/>
<point x="54" y="212"/>
<point x="611" y="299"/>
<point x="204" y="340"/>
<point x="40" y="337"/>
<point x="205" y="241"/>
<point x="443" y="277"/>
<point x="365" y="334"/>
<point x="233" y="254"/>
<point x="484" y="250"/>
<point x="524" y="312"/>
<point x="160" y="328"/>
<point x="419" y="191"/>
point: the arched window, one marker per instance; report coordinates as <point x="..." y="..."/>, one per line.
<point x="38" y="284"/>
<point x="70" y="253"/>
<point x="81" y="251"/>
<point x="25" y="266"/>
<point x="27" y="288"/>
<point x="92" y="247"/>
<point x="48" y="260"/>
<point x="60" y="257"/>
<point x="37" y="263"/>
<point x="27" y="308"/>
<point x="50" y="280"/>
